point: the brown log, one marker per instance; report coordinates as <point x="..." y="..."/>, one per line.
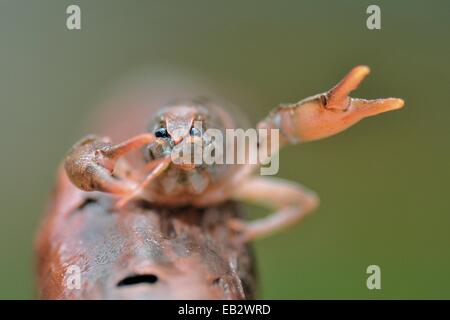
<point x="143" y="252"/>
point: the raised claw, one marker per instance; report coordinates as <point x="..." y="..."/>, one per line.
<point x="328" y="113"/>
<point x="91" y="161"/>
<point x="337" y="97"/>
<point x="90" y="169"/>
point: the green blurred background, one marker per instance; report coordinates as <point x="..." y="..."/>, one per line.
<point x="383" y="184"/>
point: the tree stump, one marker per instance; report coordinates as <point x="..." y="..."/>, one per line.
<point x="87" y="250"/>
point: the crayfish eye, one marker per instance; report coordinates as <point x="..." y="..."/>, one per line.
<point x="195" y="132"/>
<point x="161" y="133"/>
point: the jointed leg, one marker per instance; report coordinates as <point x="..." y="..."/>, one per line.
<point x="291" y="200"/>
<point x="118" y="150"/>
<point x="102" y="180"/>
<point x="91" y="161"/>
<point x="157" y="167"/>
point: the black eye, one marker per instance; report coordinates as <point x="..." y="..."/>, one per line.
<point x="195" y="132"/>
<point x="161" y="133"/>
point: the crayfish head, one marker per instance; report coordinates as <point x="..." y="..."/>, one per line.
<point x="183" y="132"/>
